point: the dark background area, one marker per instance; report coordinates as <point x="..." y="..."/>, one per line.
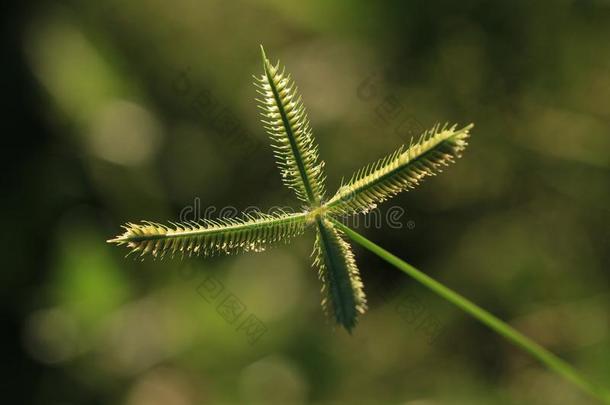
<point x="117" y="112"/>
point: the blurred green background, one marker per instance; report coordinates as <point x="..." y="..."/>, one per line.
<point x="121" y="111"/>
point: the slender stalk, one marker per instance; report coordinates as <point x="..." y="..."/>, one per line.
<point x="543" y="355"/>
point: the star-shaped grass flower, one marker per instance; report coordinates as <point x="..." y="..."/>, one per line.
<point x="297" y="157"/>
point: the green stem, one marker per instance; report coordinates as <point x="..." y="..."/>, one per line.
<point x="546" y="357"/>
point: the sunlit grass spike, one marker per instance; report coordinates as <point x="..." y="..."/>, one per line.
<point x="286" y="122"/>
<point x="342" y="288"/>
<point x="402" y="170"/>
<point x="207" y="237"/>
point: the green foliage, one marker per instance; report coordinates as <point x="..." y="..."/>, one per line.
<point x="301" y="170"/>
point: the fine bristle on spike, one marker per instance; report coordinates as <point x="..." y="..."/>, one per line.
<point x="400" y="171"/>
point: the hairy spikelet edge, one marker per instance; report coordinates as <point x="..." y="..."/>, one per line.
<point x="342" y="289"/>
<point x="399" y="171"/>
<point x="285" y="120"/>
<point x="251" y="232"/>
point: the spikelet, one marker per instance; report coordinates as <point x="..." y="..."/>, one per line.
<point x="342" y="288"/>
<point x="400" y="171"/>
<point x="252" y="232"/>
<point x="286" y="122"/>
